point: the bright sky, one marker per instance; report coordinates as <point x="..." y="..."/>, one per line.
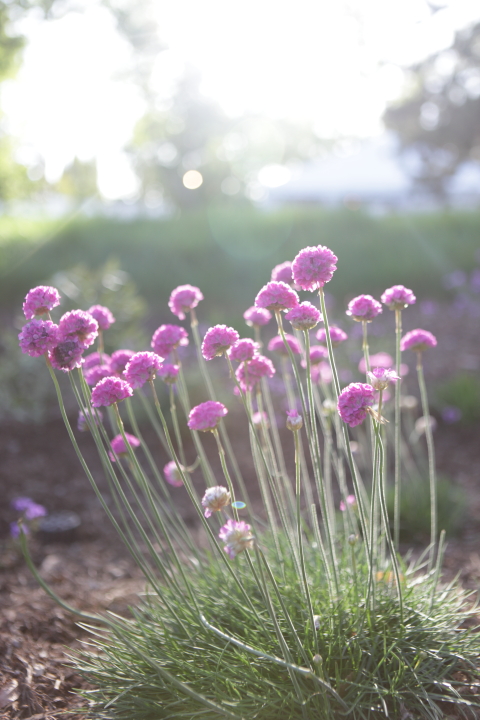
<point x="334" y="61"/>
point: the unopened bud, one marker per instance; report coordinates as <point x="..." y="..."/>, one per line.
<point x="316" y="621"/>
<point x="294" y="420"/>
<point x="352" y="540"/>
<point x="317" y="659"/>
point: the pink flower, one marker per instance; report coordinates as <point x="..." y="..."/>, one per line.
<point x="172" y="474"/>
<point x="321" y="372"/>
<point x="244" y="349"/>
<point x="276" y="296"/>
<point x="304" y="317"/>
<point x="40" y="300"/>
<point x="257" y="316"/>
<point x="398" y="297"/>
<point x="418" y="340"/>
<point x="206" y="416"/>
<point x="80" y="325"/>
<point x="96" y="373"/>
<point x="364" y="308"/>
<point x="102" y="315"/>
<point x="215" y="499"/>
<point x="283" y="273"/>
<point x="119" y="360"/>
<point x="337" y="335"/>
<point x="313" y="267"/>
<point x="380" y="359"/>
<point x="351" y="500"/>
<point x="183" y="299"/>
<point x="168" y="373"/>
<point x="294" y="420"/>
<point x="248" y="374"/>
<point x="276" y="344"/>
<point x="38" y="337"/>
<point x="167" y="338"/>
<point x="354" y="401"/>
<point x="258" y="418"/>
<point x="66" y="355"/>
<point x="110" y="390"/>
<point x="380" y="378"/>
<point x="141" y="368"/>
<point x="237" y="536"/>
<point x="119" y="447"/>
<point x="218" y="339"/>
<point x="95" y="358"/>
<point x="317" y="354"/>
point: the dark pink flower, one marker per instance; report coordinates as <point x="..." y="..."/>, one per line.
<point x="38" y="337"/>
<point x="218" y="339"/>
<point x="276" y="344"/>
<point x="354" y="401"/>
<point x="141" y="368"/>
<point x="418" y="340"/>
<point x="276" y="296"/>
<point x="95" y="358"/>
<point x="337" y="335"/>
<point x="248" y="374"/>
<point x="40" y="300"/>
<point x="244" y="349"/>
<point x="119" y="447"/>
<point x="364" y="308"/>
<point x="80" y="325"/>
<point x="257" y="316"/>
<point x="304" y="317"/>
<point x="237" y="536"/>
<point x="183" y="299"/>
<point x="110" y="390"/>
<point x="102" y="315"/>
<point x="313" y="267"/>
<point x="168" y="337"/>
<point x="66" y="355"/>
<point x="398" y="297"/>
<point x="119" y="360"/>
<point x="168" y="373"/>
<point x="94" y="374"/>
<point x="215" y="499"/>
<point x="206" y="416"/>
<point x="172" y="474"/>
<point x="283" y="273"/>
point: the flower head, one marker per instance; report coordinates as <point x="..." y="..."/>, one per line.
<point x="38" y="337"/>
<point x="142" y="368"/>
<point x="183" y="299"/>
<point x="380" y="359"/>
<point x="380" y="378"/>
<point x="96" y="373"/>
<point x="304" y="317"/>
<point x="102" y="315"/>
<point x="168" y="337"/>
<point x="40" y="300"/>
<point x="364" y="308"/>
<point x="218" y="340"/>
<point x="257" y="316"/>
<point x="248" y="374"/>
<point x="110" y="390"/>
<point x="237" y="536"/>
<point x="337" y="335"/>
<point x="80" y="325"/>
<point x="215" y="499"/>
<point x="283" y="273"/>
<point x="206" y="416"/>
<point x="353" y="402"/>
<point x="66" y="355"/>
<point x="313" y="267"/>
<point x="120" y="360"/>
<point x="118" y="445"/>
<point x="351" y="500"/>
<point x="294" y="420"/>
<point x="28" y="507"/>
<point x="418" y="340"/>
<point x="244" y="349"/>
<point x="276" y="344"/>
<point x="276" y="296"/>
<point x="317" y="354"/>
<point x="95" y="358"/>
<point x="322" y="372"/>
<point x="168" y="373"/>
<point x="398" y="297"/>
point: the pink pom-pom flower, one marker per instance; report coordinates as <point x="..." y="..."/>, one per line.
<point x="218" y="340"/>
<point x="276" y="296"/>
<point x="94" y="374"/>
<point x="354" y="401"/>
<point x="167" y="338"/>
<point x="38" y="337"/>
<point x="237" y="536"/>
<point x="398" y="297"/>
<point x="276" y="344"/>
<point x="256" y="316"/>
<point x="206" y="416"/>
<point x="172" y="474"/>
<point x="364" y="308"/>
<point x="95" y="358"/>
<point x="102" y="315"/>
<point x="110" y="390"/>
<point x="168" y="373"/>
<point x="120" y="360"/>
<point x="337" y="335"/>
<point x="318" y="353"/>
<point x="283" y="273"/>
<point x="183" y="299"/>
<point x="249" y="374"/>
<point x="66" y="355"/>
<point x="418" y="340"/>
<point x="304" y="317"/>
<point x="119" y="448"/>
<point x="80" y="325"/>
<point x="142" y="368"/>
<point x="313" y="267"/>
<point x="243" y="350"/>
<point x="40" y="300"/>
<point x="322" y="372"/>
<point x="215" y="499"/>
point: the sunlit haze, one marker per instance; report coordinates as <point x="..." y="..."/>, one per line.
<point x="336" y="63"/>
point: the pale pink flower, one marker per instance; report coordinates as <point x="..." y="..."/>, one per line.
<point x="237" y="536"/>
<point x="276" y="344"/>
<point x="380" y="378"/>
<point x="40" y="300"/>
<point x="304" y="317"/>
<point x="313" y="267"/>
<point x="244" y="349"/>
<point x="168" y="337"/>
<point x="172" y="474"/>
<point x="215" y="499"/>
<point x="218" y="340"/>
<point x="95" y="358"/>
<point x="94" y="374"/>
<point x="380" y="359"/>
<point x="337" y="335"/>
<point x="38" y="337"/>
<point x="102" y="315"/>
<point x="322" y="372"/>
<point x="66" y="355"/>
<point x="80" y="325"/>
<point x="118" y="445"/>
<point x="206" y="416"/>
<point x="248" y="374"/>
<point x="168" y="373"/>
<point x="283" y="273"/>
<point x="351" y="500"/>
<point x="398" y="297"/>
<point x="418" y="340"/>
<point x="364" y="308"/>
<point x="259" y="418"/>
<point x="142" y="368"/>
<point x="183" y="299"/>
<point x="110" y="390"/>
<point x="257" y="316"/>
<point x="120" y="360"/>
<point x="317" y="354"/>
<point x="354" y="401"/>
<point x="276" y="296"/>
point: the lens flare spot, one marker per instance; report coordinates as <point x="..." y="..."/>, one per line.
<point x="192" y="179"/>
<point x="239" y="505"/>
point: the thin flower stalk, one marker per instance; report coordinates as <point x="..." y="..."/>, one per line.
<point x="176" y="427"/>
<point x="398" y="431"/>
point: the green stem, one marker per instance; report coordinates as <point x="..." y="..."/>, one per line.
<point x="398" y="430"/>
<point x="431" y="460"/>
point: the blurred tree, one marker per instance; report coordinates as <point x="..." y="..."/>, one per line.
<point x="79" y="179"/>
<point x="441" y="118"/>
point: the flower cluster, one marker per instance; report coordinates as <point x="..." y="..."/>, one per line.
<point x="398" y="297"/>
<point x="257" y="316"/>
<point x="243" y="350"/>
<point x="237" y="536"/>
<point x="218" y="340"/>
<point x="40" y="300"/>
<point x="167" y="338"/>
<point x="337" y="335"/>
<point x="141" y="368"/>
<point x="354" y="401"/>
<point x="172" y="474"/>
<point x="418" y="340"/>
<point x="364" y="308"/>
<point x="183" y="299"/>
<point x="215" y="499"/>
<point x="304" y="317"/>
<point x="276" y="296"/>
<point x="102" y="315"/>
<point x="250" y="373"/>
<point x="119" y="447"/>
<point x="110" y="390"/>
<point x="313" y="267"/>
<point x="277" y="344"/>
<point x="37" y="337"/>
<point x="78" y="325"/>
<point x="206" y="416"/>
<point x="283" y="273"/>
